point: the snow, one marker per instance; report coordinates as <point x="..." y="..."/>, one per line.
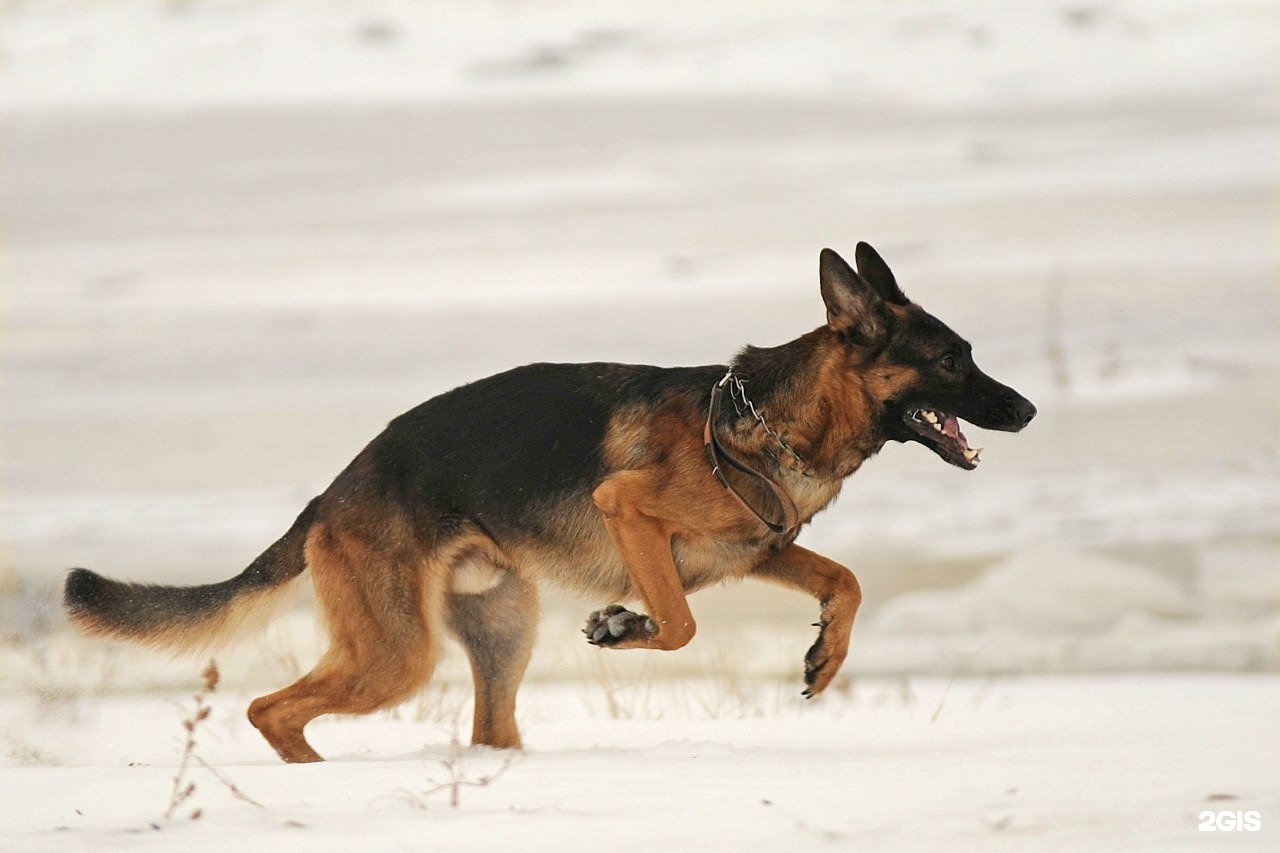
<point x="240" y="236"/>
<point x="203" y="54"/>
<point x="1083" y="593"/>
<point x="1065" y="763"/>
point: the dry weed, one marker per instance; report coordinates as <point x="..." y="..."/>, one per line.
<point x="183" y="787"/>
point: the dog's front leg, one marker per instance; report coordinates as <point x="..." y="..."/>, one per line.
<point x="836" y="589"/>
<point x="644" y="541"/>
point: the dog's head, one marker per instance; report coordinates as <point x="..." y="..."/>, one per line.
<point x="919" y="375"/>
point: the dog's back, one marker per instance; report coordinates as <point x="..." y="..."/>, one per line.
<point x="497" y="451"/>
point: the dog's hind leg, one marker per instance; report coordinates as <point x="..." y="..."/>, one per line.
<point x="838" y="592"/>
<point x="381" y="605"/>
<point x="496" y="625"/>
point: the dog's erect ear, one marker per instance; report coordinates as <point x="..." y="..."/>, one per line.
<point x="853" y="306"/>
<point x="873" y="268"/>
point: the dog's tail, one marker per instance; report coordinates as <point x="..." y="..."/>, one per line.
<point x="188" y="620"/>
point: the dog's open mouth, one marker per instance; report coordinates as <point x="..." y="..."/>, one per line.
<point x="941" y="432"/>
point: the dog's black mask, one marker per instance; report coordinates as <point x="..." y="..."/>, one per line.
<point x="936" y="381"/>
<point x="952" y="388"/>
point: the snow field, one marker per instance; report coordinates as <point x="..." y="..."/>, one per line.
<point x="1059" y="763"/>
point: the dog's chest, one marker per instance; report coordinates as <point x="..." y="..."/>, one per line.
<point x="704" y="561"/>
<point x="811" y="494"/>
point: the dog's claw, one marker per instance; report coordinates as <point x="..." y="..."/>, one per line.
<point x="615" y="623"/>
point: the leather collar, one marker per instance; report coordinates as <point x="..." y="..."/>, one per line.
<point x="717" y="454"/>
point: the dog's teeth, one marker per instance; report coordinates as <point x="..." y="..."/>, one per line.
<point x="937" y="426"/>
<point x="972" y="455"/>
<point x="930" y="417"/>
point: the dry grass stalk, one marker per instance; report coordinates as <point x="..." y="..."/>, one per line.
<point x="458" y="778"/>
<point x="183" y="787"/>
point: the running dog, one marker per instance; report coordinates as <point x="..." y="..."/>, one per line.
<point x="626" y="482"/>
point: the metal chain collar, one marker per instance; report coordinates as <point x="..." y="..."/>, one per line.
<point x="741" y="392"/>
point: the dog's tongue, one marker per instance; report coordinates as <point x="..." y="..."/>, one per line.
<point x="951" y="427"/>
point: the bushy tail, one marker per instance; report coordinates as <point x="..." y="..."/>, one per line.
<point x="191" y="619"/>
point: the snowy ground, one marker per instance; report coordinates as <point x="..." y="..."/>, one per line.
<point x="1047" y="763"/>
<point x="238" y="237"/>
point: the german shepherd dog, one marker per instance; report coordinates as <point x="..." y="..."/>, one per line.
<point x="620" y="481"/>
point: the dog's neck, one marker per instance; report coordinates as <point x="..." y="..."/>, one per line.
<point x="805" y="395"/>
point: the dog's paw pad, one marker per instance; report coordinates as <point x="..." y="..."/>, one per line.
<point x="615" y="623"/>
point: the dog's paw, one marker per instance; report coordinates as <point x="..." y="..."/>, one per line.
<point x="819" y="668"/>
<point x="616" y="624"/>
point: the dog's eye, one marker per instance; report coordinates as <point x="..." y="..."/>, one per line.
<point x="950" y="363"/>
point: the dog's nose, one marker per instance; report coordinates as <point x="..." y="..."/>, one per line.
<point x="1024" y="410"/>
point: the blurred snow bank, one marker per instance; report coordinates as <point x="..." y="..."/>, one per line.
<point x="1049" y="608"/>
<point x="1056" y="607"/>
<point x="179" y="54"/>
<point x="1050" y="588"/>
